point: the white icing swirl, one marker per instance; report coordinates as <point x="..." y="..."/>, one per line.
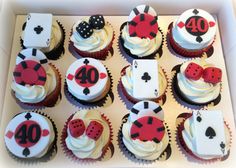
<point x="99" y="40"/>
<point x="35" y="93"/>
<point x="83" y="146"/>
<point x="184" y="43"/>
<point x="127" y="81"/>
<point x="148" y="150"/>
<point x="197" y="91"/>
<point x="141" y="47"/>
<point x="189" y="137"/>
<point x="56" y="37"/>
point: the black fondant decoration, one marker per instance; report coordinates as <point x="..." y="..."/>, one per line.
<point x="84" y="29"/>
<point x="86" y="91"/>
<point x="26" y="152"/>
<point x="97" y="21"/>
<point x="38" y="29"/>
<point x="210" y="133"/>
<point x="146" y="77"/>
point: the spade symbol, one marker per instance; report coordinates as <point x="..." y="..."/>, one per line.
<point x="38" y="29"/>
<point x="86" y="91"/>
<point x="146" y="77"/>
<point x="26" y="152"/>
<point x="210" y="133"/>
<point x="199" y="119"/>
<point x="135" y="64"/>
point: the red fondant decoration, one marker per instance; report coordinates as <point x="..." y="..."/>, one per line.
<point x="29" y="72"/>
<point x="193" y="71"/>
<point x="9" y="134"/>
<point x="45" y="132"/>
<point x="94" y="130"/>
<point x="70" y="76"/>
<point x="148" y="128"/>
<point x="212" y="24"/>
<point x="181" y="25"/>
<point x="76" y="127"/>
<point x="143" y="26"/>
<point x="103" y="75"/>
<point x="212" y="75"/>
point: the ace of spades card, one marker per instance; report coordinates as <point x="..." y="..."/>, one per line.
<point x="145" y="79"/>
<point x="210" y="133"/>
<point x="37" y="33"/>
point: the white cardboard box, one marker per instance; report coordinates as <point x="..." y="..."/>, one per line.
<point x="222" y="8"/>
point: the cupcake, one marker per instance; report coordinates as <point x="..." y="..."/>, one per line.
<point x="204" y="135"/>
<point x="36" y="82"/>
<point x="86" y="136"/>
<point x="193" y="33"/>
<point x="140" y="36"/>
<point x="144" y="135"/>
<point x="87" y="80"/>
<point x="144" y="80"/>
<point x="92" y="37"/>
<point x="198" y="82"/>
<point x="30" y="136"/>
<point x="42" y="32"/>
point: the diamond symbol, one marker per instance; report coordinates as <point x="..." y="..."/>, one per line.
<point x="70" y="77"/>
<point x="195" y="11"/>
<point x="45" y="132"/>
<point x="212" y="24"/>
<point x="9" y="134"/>
<point x="181" y="25"/>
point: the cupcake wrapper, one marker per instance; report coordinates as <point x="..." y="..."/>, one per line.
<point x="183" y="147"/>
<point x="182" y="100"/>
<point x="50" y="100"/>
<point x="164" y="156"/>
<point x="57" y="52"/>
<point x="187" y="53"/>
<point x="103" y="102"/>
<point x="127" y="54"/>
<point x="70" y="154"/>
<point x="48" y="156"/>
<point x="124" y="96"/>
<point x="101" y="55"/>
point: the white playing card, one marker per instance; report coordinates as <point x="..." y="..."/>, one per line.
<point x="145" y="79"/>
<point x="38" y="29"/>
<point x="210" y="132"/>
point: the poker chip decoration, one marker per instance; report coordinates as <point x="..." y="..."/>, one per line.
<point x="27" y="135"/>
<point x="145" y="9"/>
<point x="148" y="128"/>
<point x="197" y="25"/>
<point x="29" y="72"/>
<point x="143" y="26"/>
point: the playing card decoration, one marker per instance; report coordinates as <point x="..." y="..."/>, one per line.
<point x="37" y="32"/>
<point x="85" y="29"/>
<point x="145" y="79"/>
<point x="197" y="26"/>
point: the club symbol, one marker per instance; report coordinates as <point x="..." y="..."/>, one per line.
<point x="86" y="61"/>
<point x="222" y="145"/>
<point x="38" y="29"/>
<point x="210" y="133"/>
<point x="146" y="77"/>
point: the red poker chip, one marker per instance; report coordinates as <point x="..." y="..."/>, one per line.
<point x="148" y="128"/>
<point x="29" y="72"/>
<point x="143" y="26"/>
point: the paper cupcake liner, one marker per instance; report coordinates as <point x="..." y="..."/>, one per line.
<point x="58" y="51"/>
<point x="181" y="99"/>
<point x="124" y="96"/>
<point x="106" y="101"/>
<point x="50" y="100"/>
<point x="101" y="55"/>
<point x="50" y="153"/>
<point x="129" y="56"/>
<point x="69" y="153"/>
<point x="171" y="44"/>
<point x="130" y="156"/>
<point x="184" y="148"/>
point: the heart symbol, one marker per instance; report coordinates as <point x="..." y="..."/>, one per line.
<point x="102" y="75"/>
<point x="45" y="132"/>
<point x="212" y="24"/>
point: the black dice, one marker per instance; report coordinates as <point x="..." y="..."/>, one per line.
<point x="97" y="21"/>
<point x="84" y="29"/>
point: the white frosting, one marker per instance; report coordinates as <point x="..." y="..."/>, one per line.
<point x="35" y="93"/>
<point x="141" y="47"/>
<point x="148" y="150"/>
<point x="197" y="91"/>
<point x="83" y="146"/>
<point x="189" y="136"/>
<point x="99" y="40"/>
<point x="127" y="81"/>
<point x="41" y="147"/>
<point x="56" y="37"/>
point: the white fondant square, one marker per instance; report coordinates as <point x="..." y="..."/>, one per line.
<point x="145" y="79"/>
<point x="37" y="33"/>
